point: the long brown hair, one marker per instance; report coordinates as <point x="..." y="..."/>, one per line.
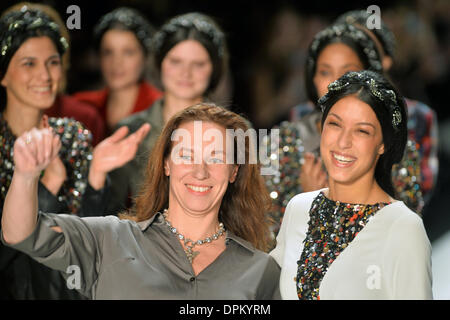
<point x="246" y="201"/>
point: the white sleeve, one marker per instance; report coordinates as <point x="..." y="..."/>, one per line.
<point x="407" y="260"/>
<point x="278" y="252"/>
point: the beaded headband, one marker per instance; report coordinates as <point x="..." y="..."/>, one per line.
<point x="17" y="23"/>
<point x="366" y="79"/>
<point x="131" y="20"/>
<point x="384" y="34"/>
<point x="198" y="21"/>
<point x="344" y="30"/>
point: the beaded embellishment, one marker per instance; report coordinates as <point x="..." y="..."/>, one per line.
<point x="75" y="153"/>
<point x="331" y="228"/>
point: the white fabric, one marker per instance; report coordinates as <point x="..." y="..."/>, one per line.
<point x="390" y="258"/>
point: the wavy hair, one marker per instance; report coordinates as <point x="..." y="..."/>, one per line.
<point x="246" y="201"/>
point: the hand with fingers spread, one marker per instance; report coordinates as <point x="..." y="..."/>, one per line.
<point x="312" y="175"/>
<point x="114" y="152"/>
<point x="55" y="174"/>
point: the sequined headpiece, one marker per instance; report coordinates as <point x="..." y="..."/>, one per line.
<point x="197" y="21"/>
<point x="344" y="30"/>
<point x="383" y="34"/>
<point x="129" y="19"/>
<point x="367" y="79"/>
<point x="18" y="26"/>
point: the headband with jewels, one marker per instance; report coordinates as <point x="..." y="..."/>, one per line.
<point x="368" y="80"/>
<point x="383" y="34"/>
<point x="348" y="31"/>
<point x="128" y="19"/>
<point x="18" y="26"/>
<point x="194" y="20"/>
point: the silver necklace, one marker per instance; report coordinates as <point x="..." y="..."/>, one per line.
<point x="190" y="244"/>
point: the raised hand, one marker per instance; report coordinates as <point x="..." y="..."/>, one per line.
<point x="55" y="174"/>
<point x="114" y="152"/>
<point x="312" y="175"/>
<point x="34" y="150"/>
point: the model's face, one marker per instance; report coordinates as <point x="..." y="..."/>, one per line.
<point x="351" y="141"/>
<point x="121" y="59"/>
<point x="334" y="60"/>
<point x="34" y="74"/>
<point x="186" y="70"/>
<point x="198" y="173"/>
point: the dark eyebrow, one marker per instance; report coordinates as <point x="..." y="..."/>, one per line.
<point x="54" y="56"/>
<point x="27" y="58"/>
<point x="323" y="64"/>
<point x="366" y="124"/>
<point x="34" y="58"/>
<point x="334" y="114"/>
<point x="360" y="123"/>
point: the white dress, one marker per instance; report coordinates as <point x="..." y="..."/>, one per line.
<point x="390" y="258"/>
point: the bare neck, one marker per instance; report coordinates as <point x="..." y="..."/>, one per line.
<point x="193" y="226"/>
<point x="22" y="118"/>
<point x="121" y="103"/>
<point x="365" y="191"/>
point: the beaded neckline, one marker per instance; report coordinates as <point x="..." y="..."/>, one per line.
<point x="357" y="206"/>
<point x="331" y="228"/>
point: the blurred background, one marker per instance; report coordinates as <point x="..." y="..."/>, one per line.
<point x="267" y="43"/>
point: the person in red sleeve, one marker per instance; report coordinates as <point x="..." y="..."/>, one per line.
<point x="122" y="37"/>
<point x="66" y="106"/>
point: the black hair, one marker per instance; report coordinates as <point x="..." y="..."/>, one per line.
<point x="16" y="27"/>
<point x="354" y="38"/>
<point x="199" y="27"/>
<point x="126" y="19"/>
<point x="389" y="107"/>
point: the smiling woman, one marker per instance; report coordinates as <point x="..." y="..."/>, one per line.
<point x="30" y="69"/>
<point x="190" y="58"/>
<point x="355" y="233"/>
<point x="33" y="75"/>
<point x="351" y="139"/>
<point x="196" y="232"/>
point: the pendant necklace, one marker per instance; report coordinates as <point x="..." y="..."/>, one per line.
<point x="190" y="244"/>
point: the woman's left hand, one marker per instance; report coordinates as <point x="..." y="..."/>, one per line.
<point x="114" y="152"/>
